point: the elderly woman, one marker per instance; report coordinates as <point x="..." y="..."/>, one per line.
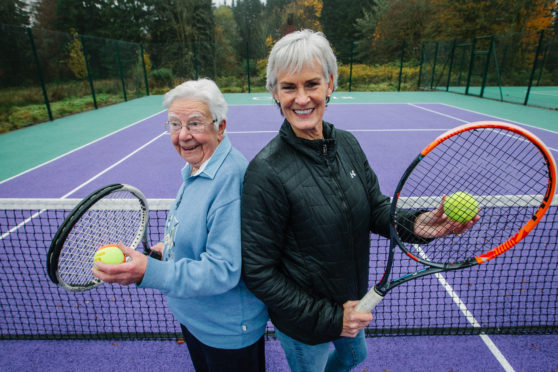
<point x="309" y="203"/>
<point x="222" y="322"/>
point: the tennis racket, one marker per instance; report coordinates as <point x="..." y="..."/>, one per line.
<point x="114" y="213"/>
<point x="509" y="172"/>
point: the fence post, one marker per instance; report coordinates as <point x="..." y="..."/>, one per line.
<point x="471" y="62"/>
<point x="40" y="73"/>
<point x="487" y="64"/>
<point x="541" y="38"/>
<point x="351" y="66"/>
<point x="420" y="68"/>
<point x="248" y="64"/>
<point x="89" y="76"/>
<point x="144" y="70"/>
<point x="195" y="60"/>
<point x="401" y="65"/>
<point x="452" y="55"/>
<point x="434" y="65"/>
<point x="120" y="70"/>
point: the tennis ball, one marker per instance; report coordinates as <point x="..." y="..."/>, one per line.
<point x="461" y="207"/>
<point x="109" y="254"/>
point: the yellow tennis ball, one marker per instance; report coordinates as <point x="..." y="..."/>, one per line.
<point x="461" y="207"/>
<point x="109" y="254"/>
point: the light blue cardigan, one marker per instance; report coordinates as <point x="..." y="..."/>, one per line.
<point x="201" y="267"/>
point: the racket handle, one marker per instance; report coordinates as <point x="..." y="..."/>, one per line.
<point x="369" y="301"/>
<point x="152" y="253"/>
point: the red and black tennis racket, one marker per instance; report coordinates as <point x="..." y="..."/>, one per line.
<point x="113" y="214"/>
<point x="509" y="172"/>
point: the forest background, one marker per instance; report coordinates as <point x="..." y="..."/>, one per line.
<point x="81" y="54"/>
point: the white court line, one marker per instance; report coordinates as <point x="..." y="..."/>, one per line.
<point x="438" y="113"/>
<point x="23" y="223"/>
<point x="551" y="93"/>
<point x="470" y="317"/>
<point x="113" y="165"/>
<point x="499" y="118"/>
<point x="480" y="113"/>
<point x="78" y="148"/>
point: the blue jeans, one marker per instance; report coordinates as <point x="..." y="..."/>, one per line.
<point x="346" y="354"/>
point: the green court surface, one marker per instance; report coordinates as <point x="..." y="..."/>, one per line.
<point x="546" y="97"/>
<point x="27" y="148"/>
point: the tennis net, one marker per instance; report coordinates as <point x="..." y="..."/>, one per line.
<point x="513" y="294"/>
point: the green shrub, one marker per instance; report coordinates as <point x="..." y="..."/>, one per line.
<point x="161" y="78"/>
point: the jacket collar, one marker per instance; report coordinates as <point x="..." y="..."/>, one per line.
<point x="315" y="149"/>
<point x="214" y="162"/>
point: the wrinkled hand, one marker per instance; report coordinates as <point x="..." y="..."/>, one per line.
<point x="353" y="321"/>
<point x="129" y="272"/>
<point x="436" y="224"/>
<point x="158" y="248"/>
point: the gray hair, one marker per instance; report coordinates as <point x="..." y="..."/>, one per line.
<point x="297" y="49"/>
<point x="203" y="90"/>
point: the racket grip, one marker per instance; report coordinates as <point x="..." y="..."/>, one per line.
<point x="369" y="301"/>
<point x="156" y="255"/>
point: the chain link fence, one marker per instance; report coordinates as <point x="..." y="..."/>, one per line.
<point x="48" y="74"/>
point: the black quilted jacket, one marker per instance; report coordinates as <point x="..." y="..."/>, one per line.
<point x="308" y="208"/>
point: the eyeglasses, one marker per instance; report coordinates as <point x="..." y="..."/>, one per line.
<point x="193" y="126"/>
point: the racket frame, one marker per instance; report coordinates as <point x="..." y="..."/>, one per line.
<point x="377" y="293"/>
<point x="64" y="230"/>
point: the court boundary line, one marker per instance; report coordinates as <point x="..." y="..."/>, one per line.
<point x="79" y="148"/>
<point x="500" y="118"/>
<point x="470" y="317"/>
<point x="29" y="219"/>
<point x="480" y="113"/>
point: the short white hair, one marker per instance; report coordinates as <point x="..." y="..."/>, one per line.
<point x="203" y="90"/>
<point x="298" y="49"/>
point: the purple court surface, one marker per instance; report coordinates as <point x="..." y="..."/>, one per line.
<point x="391" y="134"/>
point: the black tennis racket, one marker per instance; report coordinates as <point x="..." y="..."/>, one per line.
<point x="509" y="172"/>
<point x="113" y="214"/>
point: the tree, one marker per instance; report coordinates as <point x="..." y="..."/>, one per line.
<point x="14" y="43"/>
<point x="401" y="20"/>
<point x="14" y="12"/>
<point x="226" y="39"/>
<point x="76" y="58"/>
<point x="248" y="16"/>
<point x="44" y="12"/>
<point x="465" y="18"/>
<point x="516" y="23"/>
<point x="182" y="36"/>
<point x="338" y="22"/>
<point x="301" y="14"/>
<point x="366" y="31"/>
<point x="84" y="16"/>
<point x="134" y="15"/>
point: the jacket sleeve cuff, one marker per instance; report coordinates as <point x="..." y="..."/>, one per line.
<point x="156" y="275"/>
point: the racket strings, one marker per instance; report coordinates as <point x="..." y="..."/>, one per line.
<point x="115" y="218"/>
<point x="504" y="171"/>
